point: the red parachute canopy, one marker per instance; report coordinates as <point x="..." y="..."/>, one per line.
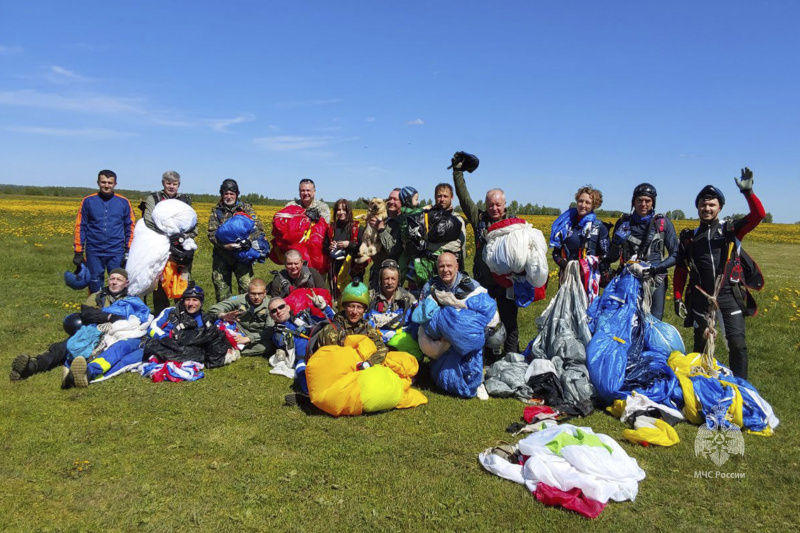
<point x="299" y="299"/>
<point x="292" y="230"/>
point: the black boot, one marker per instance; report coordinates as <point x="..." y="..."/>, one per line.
<point x="23" y="367"/>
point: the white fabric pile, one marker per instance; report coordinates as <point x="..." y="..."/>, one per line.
<point x="150" y="250"/>
<point x="517" y="249"/>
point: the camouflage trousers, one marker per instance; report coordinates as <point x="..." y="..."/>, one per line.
<point x="223" y="268"/>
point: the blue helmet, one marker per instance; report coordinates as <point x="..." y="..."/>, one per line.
<point x="194" y="291"/>
<point x="709" y="192"/>
<point x="79" y="279"/>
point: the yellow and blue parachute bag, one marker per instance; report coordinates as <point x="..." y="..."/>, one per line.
<point x="337" y="387"/>
<point x="702" y="394"/>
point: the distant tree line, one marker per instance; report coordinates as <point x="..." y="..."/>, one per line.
<point x="130" y="194"/>
<point x="767" y="218"/>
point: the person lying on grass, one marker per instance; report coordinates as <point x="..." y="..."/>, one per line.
<point x="24" y="365"/>
<point x="182" y="333"/>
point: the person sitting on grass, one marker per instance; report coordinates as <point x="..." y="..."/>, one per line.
<point x="349" y="321"/>
<point x="295" y="275"/>
<point x="390" y="306"/>
<point x="24" y="366"/>
<point x="290" y="334"/>
<point x="249" y="311"/>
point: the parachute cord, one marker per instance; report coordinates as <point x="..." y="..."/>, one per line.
<point x="648" y="288"/>
<point x="710" y="334"/>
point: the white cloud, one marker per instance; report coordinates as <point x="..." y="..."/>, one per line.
<point x="95" y="103"/>
<point x="294" y="104"/>
<point x="415" y="122"/>
<point x="221" y="125"/>
<point x="10" y="50"/>
<point x="371" y="119"/>
<point x="66" y="73"/>
<point x="292" y="143"/>
<point x="90" y="103"/>
<point x="94" y="133"/>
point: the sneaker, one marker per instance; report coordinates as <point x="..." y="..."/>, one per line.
<point x="76" y="375"/>
<point x="23" y="367"/>
<point x="482" y="394"/>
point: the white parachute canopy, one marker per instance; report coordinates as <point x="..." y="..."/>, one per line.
<point x="517" y="248"/>
<point x="150" y="250"/>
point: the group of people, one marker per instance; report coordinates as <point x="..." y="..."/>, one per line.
<point x="420" y="253"/>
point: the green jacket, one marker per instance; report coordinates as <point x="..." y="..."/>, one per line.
<point x="480" y="222"/>
<point x="334" y="333"/>
<point x="220" y="213"/>
<point x="103" y="298"/>
<point x="252" y="321"/>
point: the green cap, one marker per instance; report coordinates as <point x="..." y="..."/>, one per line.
<point x="356" y="292"/>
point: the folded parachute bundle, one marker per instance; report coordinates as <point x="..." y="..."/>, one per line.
<point x="629" y="349"/>
<point x="237" y="230"/>
<point x="562" y="339"/>
<point x="292" y="229"/>
<point x="516" y="254"/>
<point x="635" y="356"/>
<point x="150" y="249"/>
<point x="703" y="394"/>
<point x="336" y="386"/>
<point x="136" y="317"/>
<point x="457" y="336"/>
<point x="569" y="466"/>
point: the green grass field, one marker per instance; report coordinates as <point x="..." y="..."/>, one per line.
<point x="223" y="454"/>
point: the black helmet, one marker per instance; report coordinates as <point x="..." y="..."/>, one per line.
<point x="229" y="185"/>
<point x="72" y="323"/>
<point x="708" y="192"/>
<point x="644" y="189"/>
<point x="468" y="162"/>
<point x="194" y="291"/>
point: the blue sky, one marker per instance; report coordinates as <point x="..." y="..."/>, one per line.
<point x="365" y="96"/>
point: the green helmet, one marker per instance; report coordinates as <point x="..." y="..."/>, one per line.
<point x="356" y="292"/>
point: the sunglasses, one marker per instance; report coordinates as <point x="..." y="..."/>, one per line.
<point x="276" y="309"/>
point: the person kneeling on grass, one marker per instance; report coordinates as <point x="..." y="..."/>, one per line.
<point x="182" y="333"/>
<point x="349" y="321"/>
<point x="24" y="366"/>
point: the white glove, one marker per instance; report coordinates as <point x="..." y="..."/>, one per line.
<point x="318" y="301"/>
<point x="636" y="269"/>
<point x="745" y="183"/>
